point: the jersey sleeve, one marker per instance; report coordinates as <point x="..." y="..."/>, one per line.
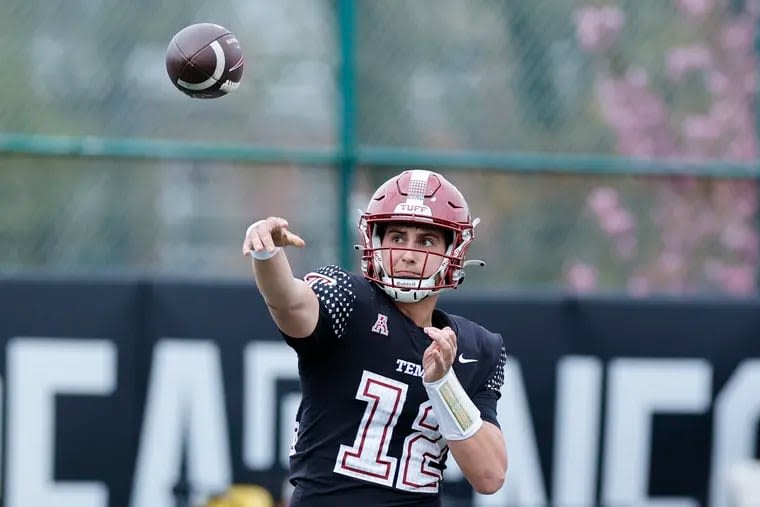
<point x="489" y="392"/>
<point x="336" y="292"/>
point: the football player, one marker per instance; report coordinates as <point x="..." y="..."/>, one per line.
<point x="390" y="384"/>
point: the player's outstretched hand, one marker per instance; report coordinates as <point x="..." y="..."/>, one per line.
<point x="439" y="356"/>
<point x="269" y="233"/>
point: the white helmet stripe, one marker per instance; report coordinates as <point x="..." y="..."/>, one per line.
<point x="417" y="186"/>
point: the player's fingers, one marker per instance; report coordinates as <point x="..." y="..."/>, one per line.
<point x="252" y="241"/>
<point x="274" y="223"/>
<point x="451" y="335"/>
<point x="439" y="369"/>
<point x="248" y="245"/>
<point x="276" y="233"/>
<point x="442" y="364"/>
<point x="451" y="338"/>
<point x="435" y="335"/>
<point x="451" y="347"/>
<point x="430" y="352"/>
<point x="293" y="239"/>
<point x="256" y="244"/>
<point x="443" y="342"/>
<point x="267" y="242"/>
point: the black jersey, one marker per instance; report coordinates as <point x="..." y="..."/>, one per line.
<point x="365" y="431"/>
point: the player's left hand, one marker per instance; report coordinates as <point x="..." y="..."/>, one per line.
<point x="439" y="356"/>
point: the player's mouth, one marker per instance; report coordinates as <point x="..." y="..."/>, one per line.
<point x="405" y="274"/>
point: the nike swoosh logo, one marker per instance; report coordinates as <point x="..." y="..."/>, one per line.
<point x="465" y="361"/>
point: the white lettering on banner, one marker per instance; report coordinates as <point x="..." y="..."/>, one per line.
<point x="576" y="434"/>
<point x="184" y="409"/>
<point x="639" y="388"/>
<point x="264" y="364"/>
<point x="524" y="486"/>
<point x="737" y="413"/>
<point x="38" y="369"/>
<point x="683" y="386"/>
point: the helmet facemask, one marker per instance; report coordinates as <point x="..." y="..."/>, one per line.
<point x="404" y="289"/>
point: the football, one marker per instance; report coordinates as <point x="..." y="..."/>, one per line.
<point x="205" y="61"/>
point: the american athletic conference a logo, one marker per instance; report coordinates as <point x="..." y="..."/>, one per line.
<point x="381" y="325"/>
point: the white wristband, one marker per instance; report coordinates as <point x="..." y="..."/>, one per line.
<point x="263" y="255"/>
<point x="458" y="417"/>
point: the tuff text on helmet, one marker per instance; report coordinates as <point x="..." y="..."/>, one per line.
<point x="414" y="209"/>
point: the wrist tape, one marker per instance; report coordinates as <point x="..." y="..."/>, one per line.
<point x="458" y="417"/>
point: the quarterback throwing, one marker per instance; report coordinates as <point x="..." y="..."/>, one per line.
<point x="391" y="385"/>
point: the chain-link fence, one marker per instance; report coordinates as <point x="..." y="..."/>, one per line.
<point x="525" y="105"/>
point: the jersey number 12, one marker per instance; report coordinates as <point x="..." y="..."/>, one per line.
<point x="367" y="459"/>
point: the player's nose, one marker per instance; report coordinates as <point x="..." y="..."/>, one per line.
<point x="408" y="255"/>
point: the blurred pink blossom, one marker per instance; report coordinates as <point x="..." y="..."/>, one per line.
<point x="723" y="111"/>
<point x="617" y="222"/>
<point x="685" y="59"/>
<point x="670" y="263"/>
<point x="738" y="279"/>
<point x="736" y="198"/>
<point x="742" y="148"/>
<point x="732" y="278"/>
<point x="597" y="28"/>
<point x="717" y="82"/>
<point x="738" y="36"/>
<point x="753" y="7"/>
<point x="695" y="8"/>
<point x="613" y="219"/>
<point x="691" y="215"/>
<point x="581" y="277"/>
<point x="749" y="83"/>
<point x="739" y="238"/>
<point x="701" y="128"/>
<point x="603" y="200"/>
<point x="637" y="115"/>
<point x="638" y="286"/>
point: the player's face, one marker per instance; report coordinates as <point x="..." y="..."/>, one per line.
<point x="411" y="251"/>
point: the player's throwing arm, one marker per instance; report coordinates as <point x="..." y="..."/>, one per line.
<point x="291" y="303"/>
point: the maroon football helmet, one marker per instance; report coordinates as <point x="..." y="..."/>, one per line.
<point x="424" y="198"/>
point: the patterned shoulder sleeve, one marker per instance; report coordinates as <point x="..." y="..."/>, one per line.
<point x="496" y="379"/>
<point x="335" y="288"/>
<point x="487" y="396"/>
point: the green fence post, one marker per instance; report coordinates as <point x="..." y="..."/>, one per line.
<point x="756" y="107"/>
<point x="347" y="126"/>
<point x="757" y="130"/>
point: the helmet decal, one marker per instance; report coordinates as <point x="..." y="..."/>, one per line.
<point x="415" y="195"/>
